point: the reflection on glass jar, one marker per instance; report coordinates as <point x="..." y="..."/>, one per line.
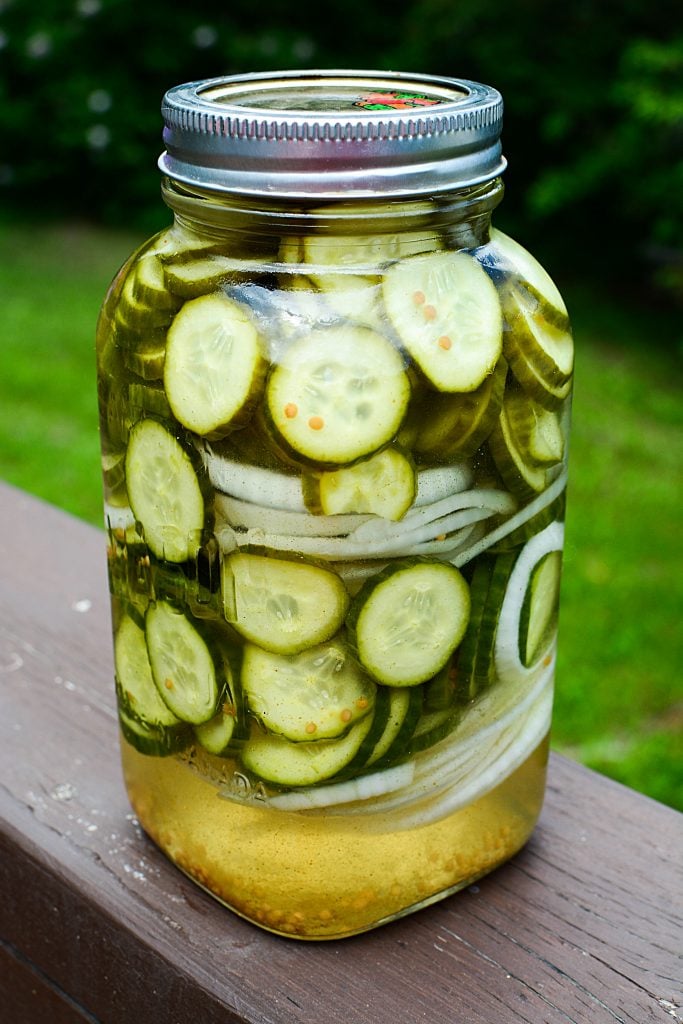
<point x="334" y="414"/>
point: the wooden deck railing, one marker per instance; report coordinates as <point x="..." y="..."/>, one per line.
<point x="584" y="925"/>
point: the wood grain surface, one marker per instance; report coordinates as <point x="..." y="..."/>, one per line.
<point x="585" y="925"/>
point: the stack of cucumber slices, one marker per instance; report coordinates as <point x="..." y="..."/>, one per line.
<point x="334" y="483"/>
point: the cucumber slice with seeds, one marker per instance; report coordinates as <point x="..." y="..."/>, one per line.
<point x="281" y="605"/>
<point x="165" y="481"/>
<point x="215" y="365"/>
<point x="338" y="394"/>
<point x="285" y="763"/>
<point x="383" y="485"/>
<point x="136" y="689"/>
<point x="318" y="694"/>
<point x="446" y="311"/>
<point x="407" y="621"/>
<point x="184" y="669"/>
<point x="459" y="424"/>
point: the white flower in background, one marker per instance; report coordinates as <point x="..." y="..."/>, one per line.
<point x="303" y="48"/>
<point x="99" y="101"/>
<point x="98" y="136"/>
<point x="4" y="39"/>
<point x="6" y="174"/>
<point x="38" y="45"/>
<point x="204" y="36"/>
<point x="87" y="8"/>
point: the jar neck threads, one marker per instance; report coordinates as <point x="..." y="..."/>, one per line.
<point x="462" y="214"/>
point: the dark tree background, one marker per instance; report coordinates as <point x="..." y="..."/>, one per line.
<point x="593" y="91"/>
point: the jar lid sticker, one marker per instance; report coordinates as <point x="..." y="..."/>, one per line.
<point x="310" y="94"/>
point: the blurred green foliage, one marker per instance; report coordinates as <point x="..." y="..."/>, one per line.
<point x="593" y="91"/>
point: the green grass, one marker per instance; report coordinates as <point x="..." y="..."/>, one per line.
<point x="619" y="704"/>
<point x="53" y="282"/>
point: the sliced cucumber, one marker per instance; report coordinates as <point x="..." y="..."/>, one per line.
<point x="190" y="278"/>
<point x="352" y="297"/>
<point x="285" y="763"/>
<point x="476" y="664"/>
<point x="535" y="278"/>
<point x="165" y="482"/>
<point x="432" y="727"/>
<point x="524" y="478"/>
<point x="338" y="394"/>
<point x="405" y="707"/>
<point x="318" y="694"/>
<point x="216" y="735"/>
<point x="383" y="485"/>
<point x="545" y="392"/>
<point x="135" y="316"/>
<point x="148" y="398"/>
<point x="185" y="671"/>
<point x="363" y="253"/>
<point x="529" y="339"/>
<point x="153" y="741"/>
<point x="215" y="365"/>
<point x="446" y="311"/>
<point x="147" y="359"/>
<point x="458" y="424"/>
<point x="149" y="284"/>
<point x="538" y="619"/>
<point x="408" y="620"/>
<point x="537" y="431"/>
<point x="283" y="606"/>
<point x="136" y="688"/>
<point x="114" y="478"/>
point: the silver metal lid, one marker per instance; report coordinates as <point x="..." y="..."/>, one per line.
<point x="332" y="134"/>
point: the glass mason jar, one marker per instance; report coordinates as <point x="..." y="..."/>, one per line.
<point x="334" y="415"/>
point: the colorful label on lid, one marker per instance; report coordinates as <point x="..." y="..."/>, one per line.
<point x="330" y="96"/>
<point x="395" y="99"/>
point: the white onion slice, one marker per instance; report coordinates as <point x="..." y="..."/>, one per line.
<point x="365" y="787"/>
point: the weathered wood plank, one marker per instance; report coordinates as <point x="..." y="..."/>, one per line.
<point x="584" y="925"/>
<point x="27" y="997"/>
